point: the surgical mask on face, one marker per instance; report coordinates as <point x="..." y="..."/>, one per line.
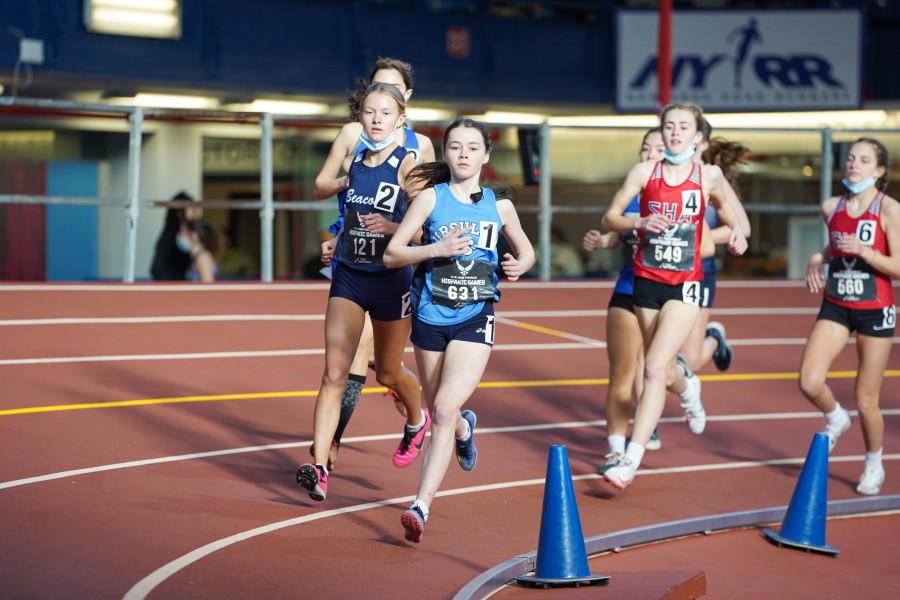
<point x="680" y="158"/>
<point x="860" y="187"/>
<point x="376" y="146"/>
<point x="183" y="243"/>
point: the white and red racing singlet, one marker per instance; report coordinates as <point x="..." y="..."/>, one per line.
<point x="852" y="282"/>
<point x="673" y="256"/>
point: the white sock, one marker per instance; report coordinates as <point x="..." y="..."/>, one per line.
<point x="616" y="443"/>
<point x="414" y="429"/>
<point x="636" y="453"/>
<point x="688" y="394"/>
<point x="323" y="468"/>
<point x="422" y="506"/>
<point x="468" y="432"/>
<point x="835" y="415"/>
<point x="873" y="459"/>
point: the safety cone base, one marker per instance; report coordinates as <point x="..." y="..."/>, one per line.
<point x="545" y="582"/>
<point x="780" y="540"/>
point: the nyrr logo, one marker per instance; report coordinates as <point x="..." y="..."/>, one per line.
<point x="791" y="71"/>
<point x="744" y="60"/>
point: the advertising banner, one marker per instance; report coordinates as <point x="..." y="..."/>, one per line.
<point x="740" y="60"/>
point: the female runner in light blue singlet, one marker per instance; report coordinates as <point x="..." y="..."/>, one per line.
<point x="453" y="294"/>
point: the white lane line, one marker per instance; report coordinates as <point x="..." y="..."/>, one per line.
<point x="142" y="320"/>
<point x="146" y="585"/>
<point x="889" y="412"/>
<point x="512" y="314"/>
<point x="183" y="356"/>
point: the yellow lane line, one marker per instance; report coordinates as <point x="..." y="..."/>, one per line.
<point x="382" y="390"/>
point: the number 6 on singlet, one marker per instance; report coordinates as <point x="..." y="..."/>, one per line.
<point x="690" y="292"/>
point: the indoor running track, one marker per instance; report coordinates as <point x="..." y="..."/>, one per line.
<point x="151" y="433"/>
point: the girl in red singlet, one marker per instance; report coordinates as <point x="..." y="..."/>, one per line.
<point x="863" y="254"/>
<point x="667" y="266"/>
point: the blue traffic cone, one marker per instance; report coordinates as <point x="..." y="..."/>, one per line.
<point x="804" y="523"/>
<point x="561" y="555"/>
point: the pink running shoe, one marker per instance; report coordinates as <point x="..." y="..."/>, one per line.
<point x="411" y="444"/>
<point x="413" y="522"/>
<point x="313" y="479"/>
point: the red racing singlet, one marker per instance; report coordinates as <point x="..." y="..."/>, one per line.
<point x="673" y="256"/>
<point x="852" y="282"/>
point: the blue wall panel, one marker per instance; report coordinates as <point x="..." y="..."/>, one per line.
<point x="72" y="231"/>
<point x="303" y="46"/>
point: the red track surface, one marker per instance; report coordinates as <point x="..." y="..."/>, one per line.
<point x="208" y="507"/>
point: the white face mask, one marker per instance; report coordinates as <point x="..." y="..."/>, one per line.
<point x="680" y="158"/>
<point x="376" y="146"/>
<point x="859" y="188"/>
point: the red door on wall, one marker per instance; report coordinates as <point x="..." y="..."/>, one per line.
<point x="22" y="226"/>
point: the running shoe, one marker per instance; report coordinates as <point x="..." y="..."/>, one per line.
<point x="682" y="363"/>
<point x="413" y="521"/>
<point x="466" y="454"/>
<point x="870" y="481"/>
<point x="723" y="355"/>
<point x="332" y="454"/>
<point x="654" y="443"/>
<point x="621" y="475"/>
<point x="313" y="479"/>
<point x="694" y="414"/>
<point x="834" y="430"/>
<point x="411" y="444"/>
<point x="612" y="460"/>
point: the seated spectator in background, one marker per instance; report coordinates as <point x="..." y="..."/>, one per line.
<point x="233" y="262"/>
<point x="169" y="262"/>
<point x="202" y="245"/>
<point x="565" y="260"/>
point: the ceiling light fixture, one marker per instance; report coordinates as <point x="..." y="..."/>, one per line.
<point x="140" y="18"/>
<point x="166" y="101"/>
<point x="283" y="107"/>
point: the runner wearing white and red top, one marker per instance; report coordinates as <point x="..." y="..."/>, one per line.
<point x="863" y="257"/>
<point x="667" y="268"/>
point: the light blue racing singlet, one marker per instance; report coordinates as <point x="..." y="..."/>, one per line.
<point x="450" y="291"/>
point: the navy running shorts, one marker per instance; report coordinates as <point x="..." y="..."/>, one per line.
<point x="383" y="294"/>
<point x="436" y="338"/>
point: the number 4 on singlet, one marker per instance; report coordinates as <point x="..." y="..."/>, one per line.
<point x="690" y="293"/>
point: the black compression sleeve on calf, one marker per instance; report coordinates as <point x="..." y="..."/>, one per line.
<point x="355" y="384"/>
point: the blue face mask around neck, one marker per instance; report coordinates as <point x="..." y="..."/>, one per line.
<point x="859" y="188"/>
<point x="376" y="146"/>
<point x="680" y="158"/>
<point x="183" y="243"/>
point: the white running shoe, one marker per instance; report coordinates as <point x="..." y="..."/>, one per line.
<point x="612" y="459"/>
<point x="694" y="414"/>
<point x="870" y="481"/>
<point x="621" y="475"/>
<point x="654" y="443"/>
<point x="682" y="364"/>
<point x="834" y="430"/>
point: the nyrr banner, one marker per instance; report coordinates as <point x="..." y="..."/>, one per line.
<point x="728" y="61"/>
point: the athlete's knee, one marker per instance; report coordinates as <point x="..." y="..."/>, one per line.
<point x="444" y="415"/>
<point x="655" y="371"/>
<point x="335" y="376"/>
<point x="811" y="384"/>
<point x="389" y="377"/>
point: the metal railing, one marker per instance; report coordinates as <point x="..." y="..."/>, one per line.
<point x="137" y="116"/>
